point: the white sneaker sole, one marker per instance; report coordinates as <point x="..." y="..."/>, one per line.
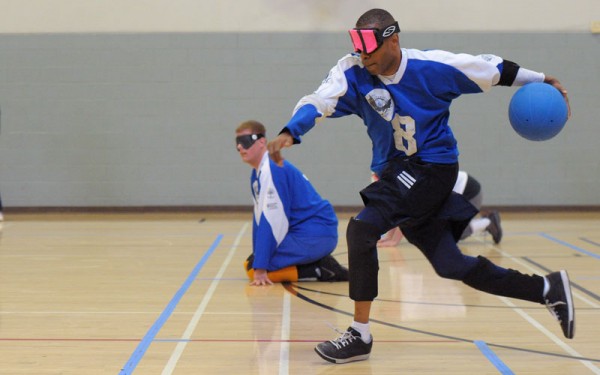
<point x="567" y="285"/>
<point x="344" y="360"/>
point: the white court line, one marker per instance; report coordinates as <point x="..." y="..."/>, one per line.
<point x="550" y="335"/>
<point x="537" y="324"/>
<point x="284" y="350"/>
<point x="170" y="366"/>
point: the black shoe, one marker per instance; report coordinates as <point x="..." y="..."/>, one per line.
<point x="494" y="228"/>
<point x="559" y="302"/>
<point x="349" y="347"/>
<point x="330" y="270"/>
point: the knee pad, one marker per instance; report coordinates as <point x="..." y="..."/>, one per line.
<point x="278" y="276"/>
<point x="285" y="274"/>
<point x="361" y="236"/>
<point x="363" y="265"/>
<point x="248" y="262"/>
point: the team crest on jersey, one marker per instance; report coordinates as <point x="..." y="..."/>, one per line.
<point x="381" y="101"/>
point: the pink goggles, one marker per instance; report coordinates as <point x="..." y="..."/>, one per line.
<point x="369" y="40"/>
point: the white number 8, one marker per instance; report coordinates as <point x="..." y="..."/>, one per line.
<point x="404" y="134"/>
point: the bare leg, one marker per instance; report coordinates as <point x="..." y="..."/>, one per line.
<point x="362" y="311"/>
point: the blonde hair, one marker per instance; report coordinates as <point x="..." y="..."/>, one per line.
<point x="254" y="126"/>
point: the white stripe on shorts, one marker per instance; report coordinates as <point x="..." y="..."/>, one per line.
<point x="406" y="179"/>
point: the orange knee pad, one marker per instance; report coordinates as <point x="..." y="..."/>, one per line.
<point x="285" y="274"/>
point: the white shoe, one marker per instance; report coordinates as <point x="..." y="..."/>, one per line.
<point x="1" y="216"/>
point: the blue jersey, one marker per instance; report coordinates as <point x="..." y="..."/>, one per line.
<point x="407" y="113"/>
<point x="292" y="224"/>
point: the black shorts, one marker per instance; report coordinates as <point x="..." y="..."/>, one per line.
<point x="417" y="197"/>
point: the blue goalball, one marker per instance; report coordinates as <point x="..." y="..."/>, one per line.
<point x="537" y="111"/>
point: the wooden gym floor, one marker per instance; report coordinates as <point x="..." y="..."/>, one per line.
<point x="166" y="294"/>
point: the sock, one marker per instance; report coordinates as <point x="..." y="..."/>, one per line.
<point x="363" y="329"/>
<point x="546" y="286"/>
<point x="479" y="225"/>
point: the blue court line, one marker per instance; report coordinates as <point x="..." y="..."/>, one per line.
<point x="139" y="352"/>
<point x="492" y="357"/>
<point x="583" y="251"/>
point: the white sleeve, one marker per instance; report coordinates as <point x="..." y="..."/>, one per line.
<point x="525" y="76"/>
<point x="335" y="85"/>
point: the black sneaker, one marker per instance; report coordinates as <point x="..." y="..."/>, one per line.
<point x="559" y="302"/>
<point x="330" y="270"/>
<point x="349" y="347"/>
<point x="494" y="228"/>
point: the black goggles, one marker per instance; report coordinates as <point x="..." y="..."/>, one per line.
<point x="369" y="40"/>
<point x="247" y="140"/>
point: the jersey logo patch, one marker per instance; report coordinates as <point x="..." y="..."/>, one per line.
<point x="381" y="101"/>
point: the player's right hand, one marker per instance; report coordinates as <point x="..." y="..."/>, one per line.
<point x="274" y="147"/>
<point x="261" y="278"/>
